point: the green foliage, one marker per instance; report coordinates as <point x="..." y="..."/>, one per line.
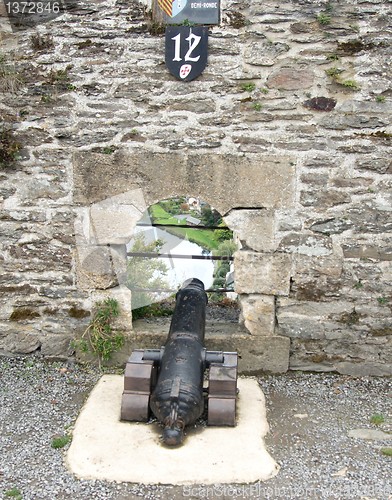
<point x="257" y="106"/>
<point x="10" y="80"/>
<point x="248" y="87"/>
<point x="377" y="419"/>
<point x="333" y="72"/>
<point x="380" y="98"/>
<point x="99" y="338"/>
<point x="186" y="22"/>
<point x="152" y="311"/>
<point x="143" y="272"/>
<point x="387" y="452"/>
<point x="156" y="28"/>
<point x="173" y="206"/>
<point x="382" y="301"/>
<point x="219" y="282"/>
<point x="108" y="150"/>
<point x="205" y="238"/>
<point x="9" y="148"/>
<point x="210" y="217"/>
<point x="350" y="84"/>
<point x="60" y="441"/>
<point x="47" y="98"/>
<point x="60" y="79"/>
<point x="323" y="19"/>
<point x="225" y="249"/>
<point x="223" y="269"/>
<point x="13" y="493"/>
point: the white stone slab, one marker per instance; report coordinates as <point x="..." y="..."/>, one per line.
<point x="105" y="448"/>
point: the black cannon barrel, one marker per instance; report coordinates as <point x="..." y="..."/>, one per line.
<point x="177" y="399"/>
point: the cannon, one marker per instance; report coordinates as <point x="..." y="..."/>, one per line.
<point x="169" y="382"/>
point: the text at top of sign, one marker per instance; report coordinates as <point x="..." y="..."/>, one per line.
<point x="178" y="11"/>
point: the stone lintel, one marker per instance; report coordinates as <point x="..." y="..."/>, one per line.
<point x="225" y="181"/>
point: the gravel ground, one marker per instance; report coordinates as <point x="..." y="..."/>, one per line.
<point x="309" y="414"/>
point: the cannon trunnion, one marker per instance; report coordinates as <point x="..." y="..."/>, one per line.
<point x="169" y="381"/>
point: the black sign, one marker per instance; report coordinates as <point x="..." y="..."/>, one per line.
<point x="178" y="11"/>
<point x="186" y="51"/>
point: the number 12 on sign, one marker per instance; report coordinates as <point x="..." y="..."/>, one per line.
<point x="186" y="51"/>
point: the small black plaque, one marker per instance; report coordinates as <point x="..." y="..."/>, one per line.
<point x="186" y="51"/>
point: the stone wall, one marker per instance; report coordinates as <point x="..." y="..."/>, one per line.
<point x="286" y="132"/>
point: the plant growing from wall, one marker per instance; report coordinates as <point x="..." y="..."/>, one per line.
<point x="323" y="19"/>
<point x="335" y="73"/>
<point x="9" y="148"/>
<point x="41" y="42"/>
<point x="248" y="87"/>
<point x="350" y="84"/>
<point x="100" y="338"/>
<point x="10" y="80"/>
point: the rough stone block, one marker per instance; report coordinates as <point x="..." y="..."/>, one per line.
<point x="330" y="265"/>
<point x="113" y="220"/>
<point x="264" y="52"/>
<point x="254" y="227"/>
<point x="267" y="274"/>
<point x="264" y="354"/>
<point x="306" y="244"/>
<point x="258" y="313"/>
<point x="100" y="267"/>
<point x="56" y="346"/>
<point x="365" y="368"/>
<point x="291" y="79"/>
<point x="256" y="353"/>
<point x="20" y="341"/>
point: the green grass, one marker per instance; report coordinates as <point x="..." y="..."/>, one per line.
<point x="387" y="452"/>
<point x="248" y="87"/>
<point x="377" y="419"/>
<point x="13" y="493"/>
<point x="323" y="19"/>
<point x="60" y="441"/>
<point x="205" y="238"/>
<point x="350" y="84"/>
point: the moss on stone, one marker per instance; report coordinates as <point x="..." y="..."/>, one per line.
<point x="23" y="313"/>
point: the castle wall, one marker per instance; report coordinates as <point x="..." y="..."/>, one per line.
<point x="287" y="133"/>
